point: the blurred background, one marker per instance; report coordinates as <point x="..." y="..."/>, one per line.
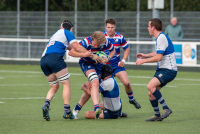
<point x="39" y="19"/>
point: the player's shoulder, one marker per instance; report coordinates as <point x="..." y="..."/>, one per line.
<point x="88" y="39"/>
<point x="118" y="35"/>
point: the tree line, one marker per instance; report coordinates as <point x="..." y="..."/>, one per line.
<point x="95" y="5"/>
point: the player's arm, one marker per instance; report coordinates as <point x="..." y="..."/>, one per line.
<point x="141" y="55"/>
<point x="111" y="54"/>
<point x="156" y="58"/>
<point x="87" y="88"/>
<point x="126" y="53"/>
<point x="74" y="53"/>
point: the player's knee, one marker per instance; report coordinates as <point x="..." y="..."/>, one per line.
<point x="92" y="76"/>
<point x="149" y="87"/>
<point x="87" y="115"/>
<point x="127" y="84"/>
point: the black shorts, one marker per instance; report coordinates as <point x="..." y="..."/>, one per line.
<point x="52" y="63"/>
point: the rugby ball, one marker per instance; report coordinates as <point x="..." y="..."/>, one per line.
<point x="101" y="54"/>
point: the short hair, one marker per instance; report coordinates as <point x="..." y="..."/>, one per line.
<point x="157" y="23"/>
<point x="66" y="24"/>
<point x="98" y="36"/>
<point x="111" y="21"/>
<point x="106" y="71"/>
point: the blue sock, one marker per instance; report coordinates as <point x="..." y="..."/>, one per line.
<point x="67" y="108"/>
<point x="78" y="107"/>
<point x="130" y="96"/>
<point x="47" y="103"/>
<point x="96" y="107"/>
<point x="160" y="99"/>
<point x="154" y="104"/>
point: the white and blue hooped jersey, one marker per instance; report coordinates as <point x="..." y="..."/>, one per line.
<point x="87" y="44"/>
<point x="59" y="41"/>
<point x="117" y="41"/>
<point x="164" y="46"/>
<point x="110" y="94"/>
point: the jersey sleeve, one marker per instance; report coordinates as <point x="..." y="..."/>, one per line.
<point x="70" y="36"/>
<point x="84" y="43"/>
<point x="124" y="43"/>
<point x="161" y="44"/>
<point x="109" y="45"/>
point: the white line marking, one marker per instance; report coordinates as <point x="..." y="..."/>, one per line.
<point x="142" y="77"/>
<point x="2" y="102"/>
<point x="26" y="98"/>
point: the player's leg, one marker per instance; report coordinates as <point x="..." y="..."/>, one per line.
<point x="63" y="77"/>
<point x="123" y="77"/>
<point x="154" y="91"/>
<point x="84" y="98"/>
<point x="53" y="83"/>
<point x="92" y="115"/>
<point x="154" y="104"/>
<point x="94" y="81"/>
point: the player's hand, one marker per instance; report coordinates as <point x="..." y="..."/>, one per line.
<point x="140" y="61"/>
<point x="121" y="64"/>
<point x="140" y="55"/>
<point x="96" y="58"/>
<point x="104" y="60"/>
<point x="88" y="54"/>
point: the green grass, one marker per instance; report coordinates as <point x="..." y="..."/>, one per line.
<point x="21" y="115"/>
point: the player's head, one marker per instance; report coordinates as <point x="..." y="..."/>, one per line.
<point x="174" y="21"/>
<point x="155" y="24"/>
<point x="110" y="26"/>
<point x="97" y="39"/>
<point x="66" y="24"/>
<point x="106" y="71"/>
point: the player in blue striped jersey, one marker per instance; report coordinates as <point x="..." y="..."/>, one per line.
<point x="119" y="71"/>
<point x="92" y="68"/>
<point x="55" y="68"/>
<point x="166" y="68"/>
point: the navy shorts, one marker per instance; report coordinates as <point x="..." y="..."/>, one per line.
<point x="110" y="114"/>
<point x="85" y="66"/>
<point x="165" y="76"/>
<point x="116" y="68"/>
<point x="52" y="63"/>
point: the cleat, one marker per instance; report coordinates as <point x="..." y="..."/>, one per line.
<point x="123" y="114"/>
<point x="166" y="113"/>
<point x="45" y="111"/>
<point x="68" y="116"/>
<point x="134" y="102"/>
<point x="154" y="118"/>
<point x="75" y="113"/>
<point x="97" y="113"/>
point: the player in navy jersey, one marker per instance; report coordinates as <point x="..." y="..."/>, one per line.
<point x="92" y="68"/>
<point x="118" y="41"/>
<point x="55" y="69"/>
<point x="166" y="68"/>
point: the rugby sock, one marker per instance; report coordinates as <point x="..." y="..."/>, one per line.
<point x="78" y="107"/>
<point x="130" y="96"/>
<point x="96" y="107"/>
<point x="67" y="108"/>
<point x="154" y="104"/>
<point x="47" y="103"/>
<point x="160" y="99"/>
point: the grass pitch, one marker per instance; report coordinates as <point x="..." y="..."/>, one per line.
<point x="23" y="89"/>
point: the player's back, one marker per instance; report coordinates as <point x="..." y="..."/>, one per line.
<point x="168" y="61"/>
<point x="59" y="42"/>
<point x="110" y="94"/>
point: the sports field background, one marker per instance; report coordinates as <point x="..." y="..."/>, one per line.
<point x="23" y="89"/>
